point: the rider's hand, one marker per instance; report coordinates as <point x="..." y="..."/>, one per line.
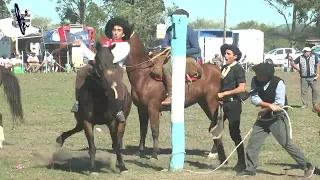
<point x="274" y="107"/>
<point x="263" y="111"/>
<point x="221" y="95"/>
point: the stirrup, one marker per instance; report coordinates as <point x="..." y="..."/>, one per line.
<point x="120" y="117"/>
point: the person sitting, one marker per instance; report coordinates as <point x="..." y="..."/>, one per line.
<point x="193" y="50"/>
<point x="33" y="62"/>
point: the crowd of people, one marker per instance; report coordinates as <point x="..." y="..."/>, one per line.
<point x="14" y="60"/>
<point x="31" y="62"/>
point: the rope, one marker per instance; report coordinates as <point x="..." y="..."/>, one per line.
<point x="150" y="60"/>
<point x="248" y="133"/>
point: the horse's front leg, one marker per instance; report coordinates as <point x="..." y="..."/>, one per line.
<point x="120" y="132"/>
<point x="116" y="131"/>
<point x="88" y="129"/>
<point x="154" y="121"/>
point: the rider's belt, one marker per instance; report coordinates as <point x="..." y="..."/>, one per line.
<point x="230" y="98"/>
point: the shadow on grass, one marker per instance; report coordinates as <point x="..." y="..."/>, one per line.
<point x="66" y="160"/>
<point x="134" y="150"/>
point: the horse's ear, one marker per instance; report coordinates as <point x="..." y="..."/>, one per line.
<point x="98" y="46"/>
<point x="112" y="46"/>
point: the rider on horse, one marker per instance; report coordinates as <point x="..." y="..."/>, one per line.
<point x="193" y="50"/>
<point x="120" y="31"/>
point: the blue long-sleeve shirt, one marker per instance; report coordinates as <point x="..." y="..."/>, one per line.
<point x="192" y="41"/>
<point x="280" y="93"/>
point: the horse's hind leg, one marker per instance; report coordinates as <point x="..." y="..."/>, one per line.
<point x="154" y="121"/>
<point x="60" y="139"/>
<point x="144" y="121"/>
<point x="210" y="110"/>
<point x="116" y="132"/>
<point x="88" y="129"/>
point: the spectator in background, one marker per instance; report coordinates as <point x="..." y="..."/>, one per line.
<point x="33" y="62"/>
<point x="309" y="73"/>
<point x="5" y="62"/>
<point x="25" y="61"/>
<point x="216" y="60"/>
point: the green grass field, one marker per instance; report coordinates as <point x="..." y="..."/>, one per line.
<point x="47" y="100"/>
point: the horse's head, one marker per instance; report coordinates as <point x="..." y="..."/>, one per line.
<point x="104" y="57"/>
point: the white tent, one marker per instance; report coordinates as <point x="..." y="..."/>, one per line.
<point x="8" y="30"/>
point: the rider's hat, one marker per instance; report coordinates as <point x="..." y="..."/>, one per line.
<point x="180" y="12"/>
<point x="127" y="29"/>
<point x="264" y="69"/>
<point x="234" y="49"/>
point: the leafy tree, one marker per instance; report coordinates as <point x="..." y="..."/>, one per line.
<point x="143" y="14"/>
<point x="41" y="22"/>
<point x="4" y="11"/>
<point x="304" y="12"/>
<point x="72" y="11"/>
<point x="96" y="15"/>
<point x="270" y="40"/>
<point x="203" y="23"/>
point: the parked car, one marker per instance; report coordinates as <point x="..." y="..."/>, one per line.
<point x="278" y="56"/>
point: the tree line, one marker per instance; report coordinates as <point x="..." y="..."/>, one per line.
<point x="146" y="14"/>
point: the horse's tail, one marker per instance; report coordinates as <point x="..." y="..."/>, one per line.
<point x="11" y="89"/>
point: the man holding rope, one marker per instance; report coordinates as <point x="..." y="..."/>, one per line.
<point x="269" y="92"/>
<point x="233" y="84"/>
<point x="120" y="31"/>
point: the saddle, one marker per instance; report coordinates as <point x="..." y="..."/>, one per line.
<point x="193" y="69"/>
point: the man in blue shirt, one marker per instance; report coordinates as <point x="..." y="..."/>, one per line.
<point x="269" y="92"/>
<point x="193" y="50"/>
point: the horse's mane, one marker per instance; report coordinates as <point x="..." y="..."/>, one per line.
<point x="137" y="47"/>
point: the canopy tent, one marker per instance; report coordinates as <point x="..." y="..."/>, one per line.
<point x="9" y="30"/>
<point x="53" y="37"/>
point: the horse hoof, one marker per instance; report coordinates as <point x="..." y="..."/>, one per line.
<point x="59" y="141"/>
<point x="142" y="155"/>
<point x="212" y="156"/>
<point x="94" y="174"/>
<point x="154" y="156"/>
<point x="123" y="170"/>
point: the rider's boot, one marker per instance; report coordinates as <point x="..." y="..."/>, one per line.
<point x="120" y="114"/>
<point x="120" y="117"/>
<point x="167" y="101"/>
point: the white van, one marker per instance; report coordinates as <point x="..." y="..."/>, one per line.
<point x="278" y="56"/>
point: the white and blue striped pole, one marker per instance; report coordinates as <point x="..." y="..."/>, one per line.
<point x="178" y="61"/>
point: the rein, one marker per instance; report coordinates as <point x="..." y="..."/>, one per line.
<point x="149" y="60"/>
<point x="167" y="50"/>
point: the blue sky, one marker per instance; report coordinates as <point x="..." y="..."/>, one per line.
<point x="238" y="10"/>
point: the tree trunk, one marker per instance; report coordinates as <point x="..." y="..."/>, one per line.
<point x="82" y="9"/>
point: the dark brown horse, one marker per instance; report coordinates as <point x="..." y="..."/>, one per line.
<point x="11" y="89"/>
<point x="96" y="105"/>
<point x="147" y="93"/>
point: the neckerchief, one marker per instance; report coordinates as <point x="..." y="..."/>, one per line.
<point x="226" y="70"/>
